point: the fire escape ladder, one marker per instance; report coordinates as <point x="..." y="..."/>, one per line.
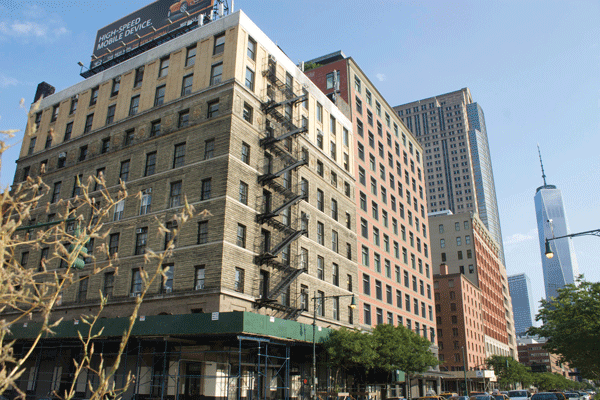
<point x="288" y="239"/>
<point x="282" y="155"/>
<point x="263" y="217"/>
<point x="269" y="140"/>
<point x="289" y="275"/>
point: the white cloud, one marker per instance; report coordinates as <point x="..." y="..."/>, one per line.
<point x="36" y="24"/>
<point x="520" y="238"/>
<point x="381" y="77"/>
<point x="6" y="81"/>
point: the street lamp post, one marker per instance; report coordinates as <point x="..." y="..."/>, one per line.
<point x="313" y="384"/>
<point x="550" y="253"/>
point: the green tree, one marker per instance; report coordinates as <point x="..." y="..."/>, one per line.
<point x="350" y="351"/>
<point x="571" y="324"/>
<point x="509" y="371"/>
<point x="400" y="348"/>
<point x="385" y="350"/>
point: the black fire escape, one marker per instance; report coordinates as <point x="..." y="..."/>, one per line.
<point x="281" y="225"/>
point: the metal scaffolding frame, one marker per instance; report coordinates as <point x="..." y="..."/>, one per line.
<point x="244" y="367"/>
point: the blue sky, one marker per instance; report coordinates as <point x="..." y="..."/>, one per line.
<point x="533" y="66"/>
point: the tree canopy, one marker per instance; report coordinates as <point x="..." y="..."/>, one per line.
<point x="387" y="349"/>
<point x="571" y="325"/>
<point x="508" y="371"/>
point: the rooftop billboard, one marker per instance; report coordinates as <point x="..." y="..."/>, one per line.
<point x="146" y="24"/>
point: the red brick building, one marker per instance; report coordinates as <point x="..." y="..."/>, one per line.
<point x="533" y="354"/>
<point x="460" y="329"/>
<point x="394" y="262"/>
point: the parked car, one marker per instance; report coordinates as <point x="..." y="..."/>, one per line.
<point x="584" y="395"/>
<point x="482" y="396"/>
<point x="459" y="398"/>
<point x="500" y="396"/>
<point x="430" y="398"/>
<point x="447" y="395"/>
<point x="547" y="396"/>
<point x="519" y="394"/>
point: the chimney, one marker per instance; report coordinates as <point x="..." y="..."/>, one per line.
<point x="443" y="269"/>
<point x="43" y="90"/>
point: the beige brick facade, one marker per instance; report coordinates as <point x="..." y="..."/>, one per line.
<point x="196" y="144"/>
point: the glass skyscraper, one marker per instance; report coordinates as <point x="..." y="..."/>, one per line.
<point x="487" y="204"/>
<point x="522" y="302"/>
<point x="561" y="269"/>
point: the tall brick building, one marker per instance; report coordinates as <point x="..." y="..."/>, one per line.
<point x="219" y="117"/>
<point x="460" y="325"/>
<point x="394" y="261"/>
<point x="464" y="244"/>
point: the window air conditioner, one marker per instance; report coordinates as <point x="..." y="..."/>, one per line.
<point x="134" y="295"/>
<point x="62" y="155"/>
<point x="139" y="230"/>
<point x="168" y="290"/>
<point x="199" y="286"/>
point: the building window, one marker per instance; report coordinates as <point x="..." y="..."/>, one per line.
<point x="171" y="229"/>
<point x="175" y="194"/>
<point x="186" y="85"/>
<point x="69" y="130"/>
<point x="179" y="155"/>
<point x="136" y="281"/>
<point x="219" y="45"/>
<point x="184" y="119"/>
<point x="110" y="114"/>
<point x="94" y="96"/>
<point x="150" y="164"/>
<point x="141" y="240"/>
<point x="124" y="171"/>
<point x="83" y="289"/>
<point x="216" y="73"/>
<point x="199" y="278"/>
<point x="109" y="284"/>
<point x="129" y="136"/>
<point x="241" y="236"/>
<point x="320" y="233"/>
<point x="155" y="128"/>
<point x="119" y="208"/>
<point x="206" y="189"/>
<point x="116" y="84"/>
<point x="213" y="109"/>
<point x="163" y="69"/>
<point x="320" y="200"/>
<point x="209" y="149"/>
<point x="159" y="96"/>
<point x="83" y="150"/>
<point x="247" y="113"/>
<point x="113" y="243"/>
<point x="320" y="168"/>
<point x="202" y="232"/>
<point x="73" y="106"/>
<point x="190" y="57"/>
<point x="245" y="153"/>
<point x="167" y="280"/>
<point x="243" y="193"/>
<point x="238" y="282"/>
<point x="249" y="79"/>
<point x="139" y="77"/>
<point x="320" y="268"/>
<point x="251" y="52"/>
<point x="367" y="314"/>
<point x="88" y="124"/>
<point x="55" y="192"/>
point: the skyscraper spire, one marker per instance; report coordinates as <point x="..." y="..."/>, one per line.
<point x="542" y="164"/>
